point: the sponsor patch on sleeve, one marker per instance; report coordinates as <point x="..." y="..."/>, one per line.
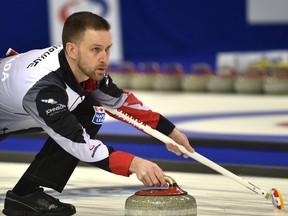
<point x="51" y="103"/>
<point x="53" y="107"/>
<point x="99" y="116"/>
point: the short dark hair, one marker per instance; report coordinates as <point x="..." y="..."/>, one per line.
<point x="77" y="23"/>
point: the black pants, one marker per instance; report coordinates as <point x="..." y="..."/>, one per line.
<point x="53" y="166"/>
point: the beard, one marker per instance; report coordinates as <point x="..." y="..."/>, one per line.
<point x="90" y="72"/>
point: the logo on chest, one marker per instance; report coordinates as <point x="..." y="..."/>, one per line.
<point x="99" y="116"/>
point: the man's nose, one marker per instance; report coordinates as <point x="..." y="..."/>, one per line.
<point x="104" y="57"/>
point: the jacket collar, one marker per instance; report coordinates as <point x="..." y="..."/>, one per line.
<point x="83" y="88"/>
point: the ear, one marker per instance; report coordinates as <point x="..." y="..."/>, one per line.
<point x="71" y="50"/>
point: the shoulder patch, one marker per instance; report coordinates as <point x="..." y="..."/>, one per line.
<point x="51" y="102"/>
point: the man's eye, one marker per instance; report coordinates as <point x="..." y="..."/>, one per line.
<point x="97" y="50"/>
<point x="107" y="50"/>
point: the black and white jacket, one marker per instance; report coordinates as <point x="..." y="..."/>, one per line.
<point x="39" y="90"/>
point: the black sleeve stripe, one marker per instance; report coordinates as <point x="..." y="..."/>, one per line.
<point x="165" y="126"/>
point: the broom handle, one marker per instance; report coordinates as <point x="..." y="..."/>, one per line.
<point x="165" y="139"/>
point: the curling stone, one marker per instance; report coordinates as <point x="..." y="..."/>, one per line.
<point x="248" y="83"/>
<point x="276" y="84"/>
<point x="144" y="77"/>
<point x="169" y="77"/>
<point x="171" y="201"/>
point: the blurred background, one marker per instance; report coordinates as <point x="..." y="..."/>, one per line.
<point x="209" y="49"/>
<point x="163" y="30"/>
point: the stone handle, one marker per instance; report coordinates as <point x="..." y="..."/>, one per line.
<point x="170" y="180"/>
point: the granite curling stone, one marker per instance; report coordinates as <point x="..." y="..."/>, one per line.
<point x="172" y="201"/>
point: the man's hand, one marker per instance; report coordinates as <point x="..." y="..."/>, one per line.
<point x="149" y="173"/>
<point x="181" y="139"/>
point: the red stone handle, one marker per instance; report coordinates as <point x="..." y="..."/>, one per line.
<point x="172" y="190"/>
